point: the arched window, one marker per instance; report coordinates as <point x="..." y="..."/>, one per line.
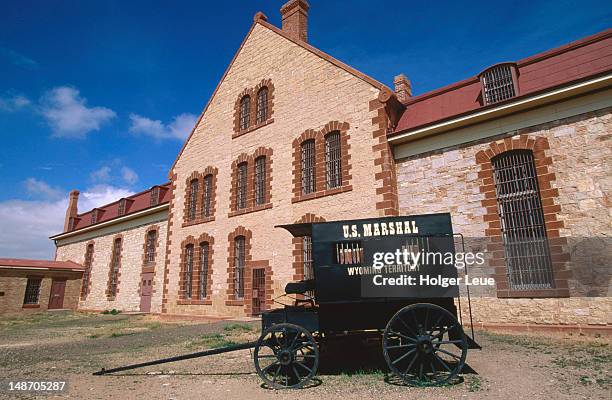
<point x="193" y="200"/>
<point x="204" y="265"/>
<point x="207" y="196"/>
<point x="188" y="271"/>
<point x="522" y="221"/>
<point x="245" y="110"/>
<point x="87" y="272"/>
<point x="308" y="166"/>
<point x="262" y="105"/>
<point x="150" y="246"/>
<point x="241" y="186"/>
<point x="499" y="83"/>
<point x="239" y="264"/>
<point x="114" y="268"/>
<point x="260" y="180"/>
<point x="333" y="166"/>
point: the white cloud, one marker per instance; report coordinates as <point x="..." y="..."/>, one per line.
<point x="26" y="225"/>
<point x="179" y="128"/>
<point x="129" y="175"/>
<point x="67" y="113"/>
<point x="37" y="187"/>
<point x="101" y="175"/>
<point x="11" y="103"/>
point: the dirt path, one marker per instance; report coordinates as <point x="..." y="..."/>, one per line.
<point x="72" y="346"/>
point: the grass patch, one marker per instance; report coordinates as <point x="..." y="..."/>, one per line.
<point x="238" y="328"/>
<point x="475" y="384"/>
<point x="119" y="334"/>
<point x="212" y="341"/>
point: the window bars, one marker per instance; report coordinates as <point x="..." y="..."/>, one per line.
<point x="522" y="221"/>
<point x="206" y="209"/>
<point x="154" y="196"/>
<point x="204" y="252"/>
<point x="150" y="247"/>
<point x="262" y="105"/>
<point x="245" y="105"/>
<point x="188" y="277"/>
<point x="193" y="199"/>
<point x="349" y="253"/>
<point x="239" y="264"/>
<point x="87" y="272"/>
<point x="121" y="210"/>
<point x="308" y="167"/>
<point x="114" y="273"/>
<point x="260" y="180"/>
<point x="241" y="187"/>
<point x="498" y="83"/>
<point x="333" y="172"/>
<point x="307" y="256"/>
<point x="32" y="292"/>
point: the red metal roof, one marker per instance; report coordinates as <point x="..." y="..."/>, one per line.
<point x="575" y="61"/>
<point x="134" y="203"/>
<point x="39" y="264"/>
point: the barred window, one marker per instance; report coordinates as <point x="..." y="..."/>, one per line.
<point x="115" y="263"/>
<point x="308" y="167"/>
<point x="498" y="83"/>
<point x="204" y="253"/>
<point x="188" y="271"/>
<point x="333" y="168"/>
<point x="193" y="200"/>
<point x="121" y="210"/>
<point x="207" y="196"/>
<point x="150" y="247"/>
<point x="241" y="186"/>
<point x="522" y="221"/>
<point x="239" y="264"/>
<point x="32" y="292"/>
<point x="262" y="105"/>
<point x="260" y="180"/>
<point x="87" y="271"/>
<point x="245" y="111"/>
<point x="94" y="216"/>
<point x="307" y="256"/>
<point x="154" y="196"/>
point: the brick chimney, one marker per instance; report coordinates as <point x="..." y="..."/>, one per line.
<point x="403" y="88"/>
<point x="72" y="210"/>
<point x="295" y="19"/>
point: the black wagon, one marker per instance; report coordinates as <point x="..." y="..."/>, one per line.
<point x="423" y="342"/>
<point x="366" y="277"/>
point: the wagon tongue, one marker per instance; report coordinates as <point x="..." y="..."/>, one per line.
<point x="298" y="230"/>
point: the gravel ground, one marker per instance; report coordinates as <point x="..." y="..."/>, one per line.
<point x="73" y="345"/>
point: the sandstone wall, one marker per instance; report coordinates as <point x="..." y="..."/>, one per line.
<point x="580" y="148"/>
<point x="128" y="295"/>
<point x="309" y="92"/>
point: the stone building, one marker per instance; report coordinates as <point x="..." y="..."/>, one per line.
<point x="35" y="285"/>
<point x="291" y="134"/>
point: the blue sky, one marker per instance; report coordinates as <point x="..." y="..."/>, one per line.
<point x="100" y="95"/>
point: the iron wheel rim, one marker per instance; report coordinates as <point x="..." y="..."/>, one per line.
<point x="286" y="356"/>
<point x="424" y="345"/>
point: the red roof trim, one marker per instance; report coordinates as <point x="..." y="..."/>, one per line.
<point x="40" y="264"/>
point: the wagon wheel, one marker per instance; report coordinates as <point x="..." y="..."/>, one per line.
<point x="286" y="356"/>
<point x="424" y="345"/>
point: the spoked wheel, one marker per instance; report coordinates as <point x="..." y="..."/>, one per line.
<point x="286" y="356"/>
<point x="424" y="345"/>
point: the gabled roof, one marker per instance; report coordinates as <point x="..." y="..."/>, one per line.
<point x="260" y="18"/>
<point x="573" y="62"/>
<point x="22" y="263"/>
